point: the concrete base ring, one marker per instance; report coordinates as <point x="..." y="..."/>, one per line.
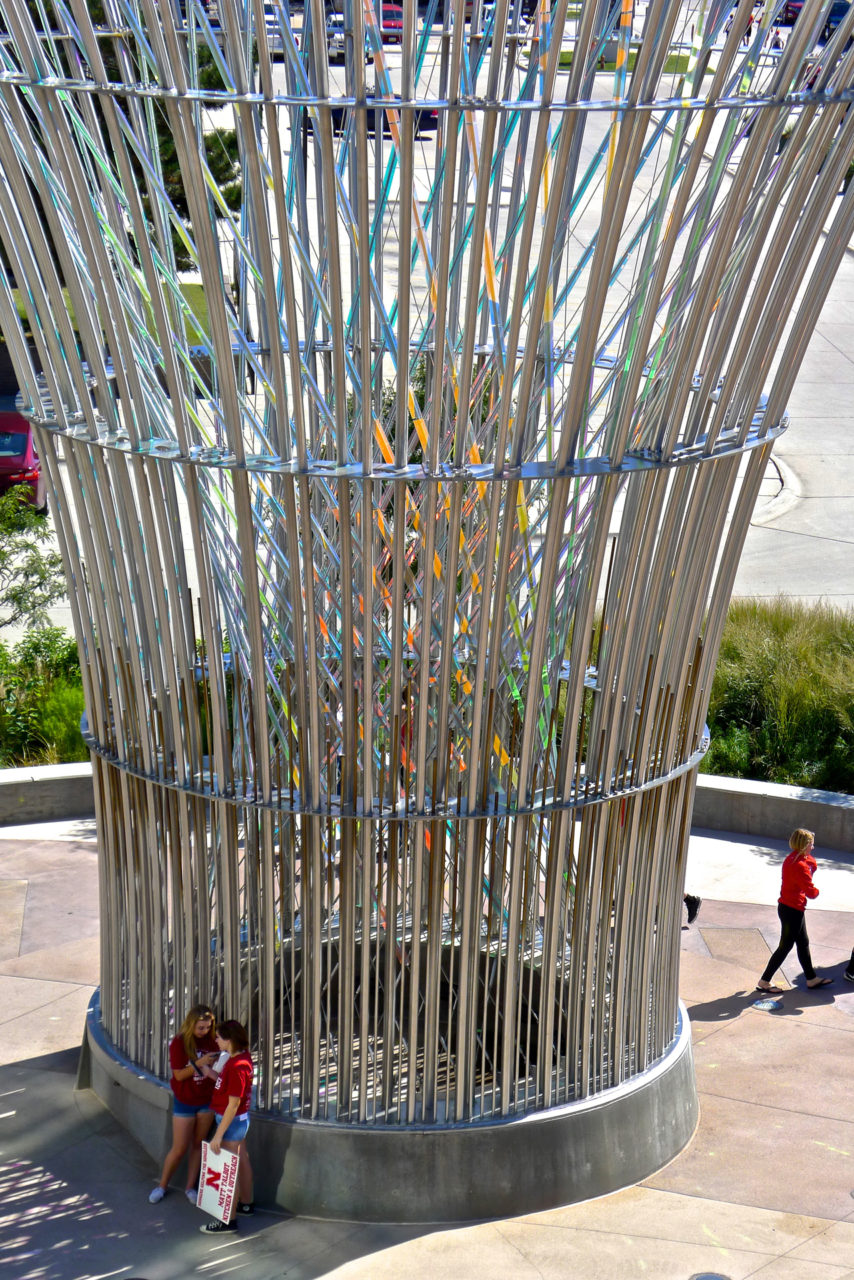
<point x="436" y="1173"/>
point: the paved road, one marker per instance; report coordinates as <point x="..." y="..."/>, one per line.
<point x="801" y="540"/>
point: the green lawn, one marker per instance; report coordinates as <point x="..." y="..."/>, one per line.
<point x="194" y="295"/>
<point x="675" y="64"/>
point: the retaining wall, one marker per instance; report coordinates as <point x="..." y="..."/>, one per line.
<point x="45" y="793"/>
<point x="766" y="809"/>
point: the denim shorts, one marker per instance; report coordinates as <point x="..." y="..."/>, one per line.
<point x="238" y="1129"/>
<point x="188" y="1110"/>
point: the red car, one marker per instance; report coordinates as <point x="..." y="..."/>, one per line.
<point x="19" y="462"/>
<point x="391" y="24"/>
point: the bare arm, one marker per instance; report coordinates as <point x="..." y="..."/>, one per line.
<point x="201" y="1066"/>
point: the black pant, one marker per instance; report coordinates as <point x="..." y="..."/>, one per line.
<point x="793" y="933"/>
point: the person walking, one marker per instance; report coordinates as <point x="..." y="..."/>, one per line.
<point x="232" y="1097"/>
<point x="849" y="972"/>
<point x="192" y="1053"/>
<point x="797" y="886"/>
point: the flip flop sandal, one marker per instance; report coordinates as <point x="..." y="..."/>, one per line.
<point x="770" y="991"/>
<point x="813" y="986"/>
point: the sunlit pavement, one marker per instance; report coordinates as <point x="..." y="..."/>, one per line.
<point x="764" y="1189"/>
<point x="801" y="539"/>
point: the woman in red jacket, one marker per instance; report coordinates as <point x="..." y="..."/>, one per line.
<point x="796" y="888"/>
<point x="232" y="1097"/>
<point x="191" y="1056"/>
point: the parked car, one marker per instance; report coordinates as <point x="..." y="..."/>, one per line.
<point x="391" y="24"/>
<point x="487" y="7"/>
<point x="19" y="462"/>
<point x="487" y="13"/>
<point x="336" y="39"/>
<point x="837" y="12"/>
<point x="272" y="23"/>
<point x="425" y="117"/>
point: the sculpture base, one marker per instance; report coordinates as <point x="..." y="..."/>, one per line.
<point x="436" y="1173"/>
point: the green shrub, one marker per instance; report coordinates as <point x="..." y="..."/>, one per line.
<point x="60" y="723"/>
<point x="41" y="700"/>
<point x="782" y="703"/>
<point x="781" y="709"/>
<point x="51" y="652"/>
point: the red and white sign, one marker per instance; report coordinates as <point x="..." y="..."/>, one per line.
<point x="217" y="1183"/>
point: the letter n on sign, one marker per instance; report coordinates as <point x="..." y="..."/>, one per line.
<point x="217" y="1183"/>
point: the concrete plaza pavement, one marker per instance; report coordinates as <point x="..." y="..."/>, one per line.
<point x="801" y="538"/>
<point x="764" y="1188"/>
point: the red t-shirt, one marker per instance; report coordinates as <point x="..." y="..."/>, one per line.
<point x="235" y="1082"/>
<point x="197" y="1090"/>
<point x="797" y="881"/>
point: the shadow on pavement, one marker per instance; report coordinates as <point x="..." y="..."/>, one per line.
<point x="794" y="1002"/>
<point x="64" y="1061"/>
<point x="773" y="852"/>
<point x="724" y="1009"/>
<point x="74" y="1200"/>
<point x="801" y="998"/>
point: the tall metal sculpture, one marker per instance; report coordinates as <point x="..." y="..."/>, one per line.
<point x="401" y="451"/>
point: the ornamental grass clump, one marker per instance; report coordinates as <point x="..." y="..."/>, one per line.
<point x="41" y="700"/>
<point x="782" y="704"/>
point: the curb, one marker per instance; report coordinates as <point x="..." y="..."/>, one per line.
<point x="789" y="496"/>
<point x="43" y="793"/>
<point x="773" y="811"/>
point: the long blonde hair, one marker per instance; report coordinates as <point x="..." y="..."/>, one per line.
<point x="186" y="1031"/>
<point x="800" y="840"/>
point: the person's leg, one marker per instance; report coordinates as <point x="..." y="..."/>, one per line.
<point x="849" y="972"/>
<point x="245" y="1182"/>
<point x="234" y="1148"/>
<point x="201" y="1129"/>
<point x="790" y="923"/>
<point x="182" y="1137"/>
<point x="802" y="943"/>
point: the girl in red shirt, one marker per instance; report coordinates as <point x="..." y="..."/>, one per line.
<point x="797" y="886"/>
<point x="232" y="1097"/>
<point x="191" y="1054"/>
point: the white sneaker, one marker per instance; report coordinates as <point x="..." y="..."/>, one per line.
<point x="192" y="1194"/>
<point x="157" y="1195"/>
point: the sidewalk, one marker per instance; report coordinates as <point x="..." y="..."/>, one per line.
<point x="801" y="537"/>
<point x="764" y="1189"/>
